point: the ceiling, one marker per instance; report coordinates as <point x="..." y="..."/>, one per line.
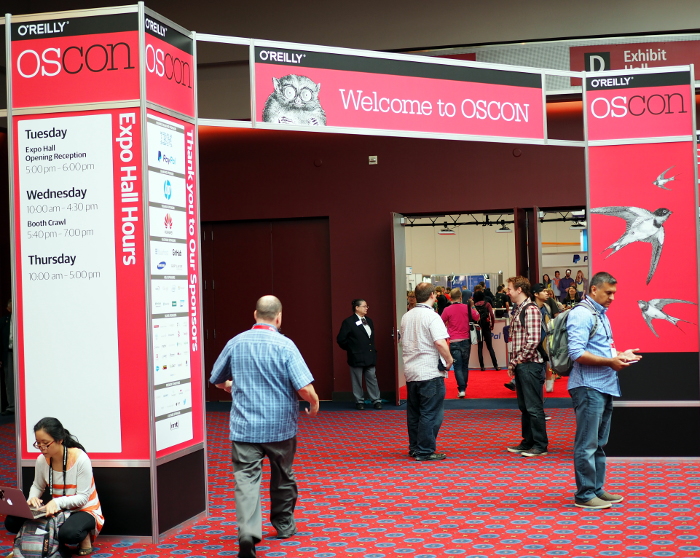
<point x="402" y="24"/>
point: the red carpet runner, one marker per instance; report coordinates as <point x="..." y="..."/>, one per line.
<point x="360" y="495"/>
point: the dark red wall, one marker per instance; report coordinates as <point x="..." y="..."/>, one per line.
<point x="255" y="174"/>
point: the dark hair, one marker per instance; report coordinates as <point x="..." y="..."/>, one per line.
<point x="54" y="428"/>
<point x="599" y="278"/>
<point x="357" y="302"/>
<point x="479" y="296"/>
<point x="548" y="278"/>
<point x="423" y="292"/>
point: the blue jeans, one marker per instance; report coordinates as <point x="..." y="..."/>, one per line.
<point x="425" y="410"/>
<point x="593" y="415"/>
<point x="460" y="351"/>
<point x="529" y="379"/>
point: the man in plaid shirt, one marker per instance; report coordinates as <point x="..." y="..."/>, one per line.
<point x="527" y="367"/>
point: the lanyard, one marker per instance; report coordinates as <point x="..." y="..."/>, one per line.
<point x="605" y="327"/>
<point x="265" y="326"/>
<point x="65" y="463"/>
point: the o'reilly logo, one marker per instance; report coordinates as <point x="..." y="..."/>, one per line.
<point x="596" y="61"/>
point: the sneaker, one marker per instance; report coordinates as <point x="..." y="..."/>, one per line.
<point x="534" y="452"/>
<point x="547" y="417"/>
<point x="549" y="386"/>
<point x="518" y="449"/>
<point x="593" y="504"/>
<point x="460" y="394"/>
<point x="431" y="457"/>
<point x="510" y="386"/>
<point x="612" y="498"/>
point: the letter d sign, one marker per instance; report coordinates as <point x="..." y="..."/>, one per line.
<point x="596" y="61"/>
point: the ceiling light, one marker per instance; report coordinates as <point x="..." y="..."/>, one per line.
<point x="504" y="228"/>
<point x="446" y="231"/>
<point x="578" y="226"/>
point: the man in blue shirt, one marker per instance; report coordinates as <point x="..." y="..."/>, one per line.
<point x="264" y="372"/>
<point x="592" y="385"/>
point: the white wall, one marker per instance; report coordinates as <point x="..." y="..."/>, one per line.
<point x="474" y="249"/>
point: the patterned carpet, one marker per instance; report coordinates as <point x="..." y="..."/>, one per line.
<point x="360" y="495"/>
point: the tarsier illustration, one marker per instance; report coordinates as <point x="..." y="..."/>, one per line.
<point x="294" y="101"/>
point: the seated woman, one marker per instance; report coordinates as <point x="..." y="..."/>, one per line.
<point x="572" y="298"/>
<point x="65" y="468"/>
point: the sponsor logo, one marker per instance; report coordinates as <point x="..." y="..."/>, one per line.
<point x="41" y="28"/>
<point x="161" y="265"/>
<point x="163" y="158"/>
<point x="166" y="139"/>
<point x="168" y="221"/>
<point x="167" y="190"/>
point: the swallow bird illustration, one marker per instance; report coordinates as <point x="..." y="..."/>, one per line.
<point x="641" y="226"/>
<point x="653" y="310"/>
<point x="661" y="180"/>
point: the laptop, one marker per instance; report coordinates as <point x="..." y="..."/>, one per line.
<point x="13" y="502"/>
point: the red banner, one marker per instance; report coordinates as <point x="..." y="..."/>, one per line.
<point x="75" y="60"/>
<point x="639" y="106"/>
<point x="320" y="89"/>
<point x="169" y="67"/>
<point x="643" y="209"/>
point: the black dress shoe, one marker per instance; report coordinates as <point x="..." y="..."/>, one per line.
<point x="510" y="386"/>
<point x="360" y="406"/>
<point x="483" y="369"/>
<point x="431" y="457"/>
<point x="286" y="535"/>
<point x="246" y="547"/>
<point x="411" y="453"/>
<point x="496" y="367"/>
<point x="377" y="404"/>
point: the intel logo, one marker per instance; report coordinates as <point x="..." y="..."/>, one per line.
<point x="161" y="265"/>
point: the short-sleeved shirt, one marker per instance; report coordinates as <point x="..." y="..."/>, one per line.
<point x="420" y="328"/>
<point x="266" y="370"/>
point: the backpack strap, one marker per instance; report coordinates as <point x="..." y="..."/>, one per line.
<point x="593" y="311"/>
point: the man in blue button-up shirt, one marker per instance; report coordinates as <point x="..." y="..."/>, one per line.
<point x="264" y="373"/>
<point x="592" y="385"/>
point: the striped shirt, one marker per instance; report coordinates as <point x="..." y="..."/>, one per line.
<point x="266" y="370"/>
<point x="420" y="328"/>
<point x="524" y="340"/>
<point x="578" y="327"/>
<point x="79" y="483"/>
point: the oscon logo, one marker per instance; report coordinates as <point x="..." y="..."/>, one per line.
<point x="167" y="189"/>
<point x="75" y="59"/>
<point x="638" y="105"/>
<point x="170" y="67"/>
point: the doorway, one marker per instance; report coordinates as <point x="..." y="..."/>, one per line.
<point x="243" y="260"/>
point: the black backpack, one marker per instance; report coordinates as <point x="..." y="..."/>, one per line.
<point x="484" y="316"/>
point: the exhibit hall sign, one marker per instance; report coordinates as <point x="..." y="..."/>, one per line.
<point x="643" y="207"/>
<point x="342" y="90"/>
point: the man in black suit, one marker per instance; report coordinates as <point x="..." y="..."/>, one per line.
<point x="356" y="336"/>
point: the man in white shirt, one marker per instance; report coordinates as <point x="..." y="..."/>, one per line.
<point x="424" y="342"/>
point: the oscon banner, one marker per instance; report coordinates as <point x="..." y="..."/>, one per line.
<point x="169" y="67"/>
<point x="75" y="60"/>
<point x="643" y="209"/>
<point x="314" y="89"/>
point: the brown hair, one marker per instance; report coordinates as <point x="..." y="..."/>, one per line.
<point x="520" y="282"/>
<point x="455" y="294"/>
<point x="423" y="291"/>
